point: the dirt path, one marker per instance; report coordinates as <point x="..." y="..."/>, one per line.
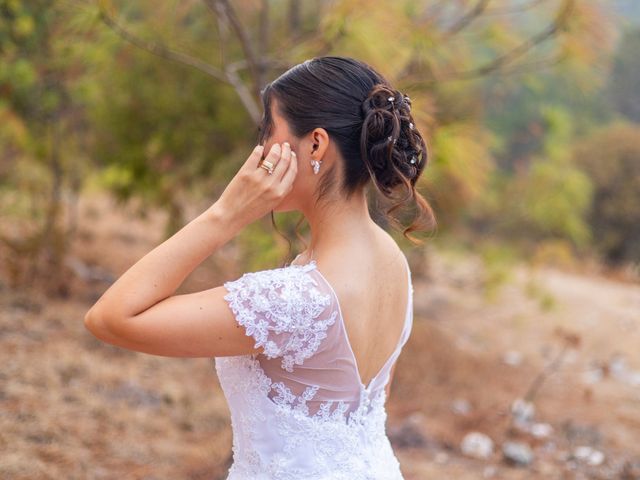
<point x="483" y="354"/>
<point x="72" y="407"/>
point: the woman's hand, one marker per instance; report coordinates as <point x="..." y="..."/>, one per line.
<point x="253" y="192"/>
<point x="136" y="311"/>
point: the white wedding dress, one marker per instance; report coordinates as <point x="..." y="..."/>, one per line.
<point x="300" y="410"/>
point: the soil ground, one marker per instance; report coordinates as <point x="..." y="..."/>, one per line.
<point x="72" y="407"/>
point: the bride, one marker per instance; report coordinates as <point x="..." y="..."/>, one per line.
<point x="305" y="353"/>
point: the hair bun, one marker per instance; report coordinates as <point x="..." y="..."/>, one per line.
<point x="370" y="124"/>
<point x="392" y="149"/>
<point x="385" y="98"/>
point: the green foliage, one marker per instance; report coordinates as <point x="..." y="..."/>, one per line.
<point x="537" y="291"/>
<point x="624" y="85"/>
<point x="547" y="198"/>
<point x="557" y="252"/>
<point x="260" y="247"/>
<point x="78" y="100"/>
<point x="498" y="261"/>
<point x="460" y="168"/>
<point x="555" y="196"/>
<point x="527" y="112"/>
<point x="611" y="158"/>
<point x="161" y="137"/>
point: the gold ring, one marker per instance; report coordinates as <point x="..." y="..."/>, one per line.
<point x="268" y="166"/>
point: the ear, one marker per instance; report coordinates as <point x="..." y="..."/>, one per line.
<point x="319" y="143"/>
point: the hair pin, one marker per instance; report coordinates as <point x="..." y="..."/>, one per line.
<point x="391" y="99"/>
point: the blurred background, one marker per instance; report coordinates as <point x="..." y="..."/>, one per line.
<point x="121" y="121"/>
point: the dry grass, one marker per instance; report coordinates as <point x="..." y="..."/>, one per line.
<point x="72" y="407"/>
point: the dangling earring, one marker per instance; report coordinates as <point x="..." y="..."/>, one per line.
<point x="316" y="166"/>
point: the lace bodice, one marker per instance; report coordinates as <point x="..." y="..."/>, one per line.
<point x="299" y="410"/>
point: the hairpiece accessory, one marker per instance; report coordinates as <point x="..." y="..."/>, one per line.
<point x="391" y="139"/>
<point x="391" y="99"/>
<point x="411" y="125"/>
<point x="316" y="165"/>
<point x="413" y="159"/>
<point x="267" y="165"/>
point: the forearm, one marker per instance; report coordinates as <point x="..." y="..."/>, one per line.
<point x="158" y="274"/>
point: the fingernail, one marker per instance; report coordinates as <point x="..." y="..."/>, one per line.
<point x="276" y="146"/>
<point x="286" y="144"/>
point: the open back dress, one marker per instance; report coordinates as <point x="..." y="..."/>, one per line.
<point x="299" y="409"/>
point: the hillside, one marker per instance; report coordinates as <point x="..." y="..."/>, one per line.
<point x="72" y="407"/>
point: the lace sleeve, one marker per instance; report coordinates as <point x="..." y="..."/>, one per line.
<point x="282" y="310"/>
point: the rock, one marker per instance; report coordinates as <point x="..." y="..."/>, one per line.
<point x="596" y="458"/>
<point x="580" y="434"/>
<point x="409" y="434"/>
<point x="620" y="371"/>
<point x="541" y="430"/>
<point x="522" y="411"/>
<point x="517" y="453"/>
<point x="461" y="406"/>
<point x="618" y="367"/>
<point x="512" y="357"/>
<point x="548" y="447"/>
<point x="477" y="444"/>
<point x="593" y="375"/>
<point x="589" y="455"/>
<point x="633" y="378"/>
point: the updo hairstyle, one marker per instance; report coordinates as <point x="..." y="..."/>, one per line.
<point x="370" y="123"/>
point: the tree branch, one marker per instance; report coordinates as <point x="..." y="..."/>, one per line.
<point x="161" y="50"/>
<point x="228" y="76"/>
<point x="467" y="18"/>
<point x="516" y="9"/>
<point x="223" y="30"/>
<point x="263" y="39"/>
<point x="534" y="65"/>
<point x="243" y="37"/>
<point x="560" y="20"/>
<point x="432" y="12"/>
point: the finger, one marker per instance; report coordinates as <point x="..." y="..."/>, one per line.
<point x="282" y="165"/>
<point x="290" y="175"/>
<point x="274" y="155"/>
<point x="254" y="158"/>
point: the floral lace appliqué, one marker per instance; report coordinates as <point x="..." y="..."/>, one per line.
<point x="279" y="309"/>
<point x="333" y="443"/>
<point x="275" y="437"/>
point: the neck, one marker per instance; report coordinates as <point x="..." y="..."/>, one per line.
<point x="339" y="224"/>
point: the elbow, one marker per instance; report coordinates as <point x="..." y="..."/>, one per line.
<point x="109" y="328"/>
<point x="91" y="321"/>
<point x="96" y="323"/>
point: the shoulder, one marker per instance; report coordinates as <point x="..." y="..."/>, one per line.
<point x="283" y="309"/>
<point x="278" y="286"/>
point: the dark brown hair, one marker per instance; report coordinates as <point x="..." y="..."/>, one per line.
<point x="370" y="122"/>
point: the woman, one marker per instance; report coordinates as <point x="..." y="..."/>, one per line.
<point x="305" y="353"/>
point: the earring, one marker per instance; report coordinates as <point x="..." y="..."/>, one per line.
<point x="316" y="165"/>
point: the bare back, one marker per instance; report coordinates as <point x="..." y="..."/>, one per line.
<point x="372" y="289"/>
